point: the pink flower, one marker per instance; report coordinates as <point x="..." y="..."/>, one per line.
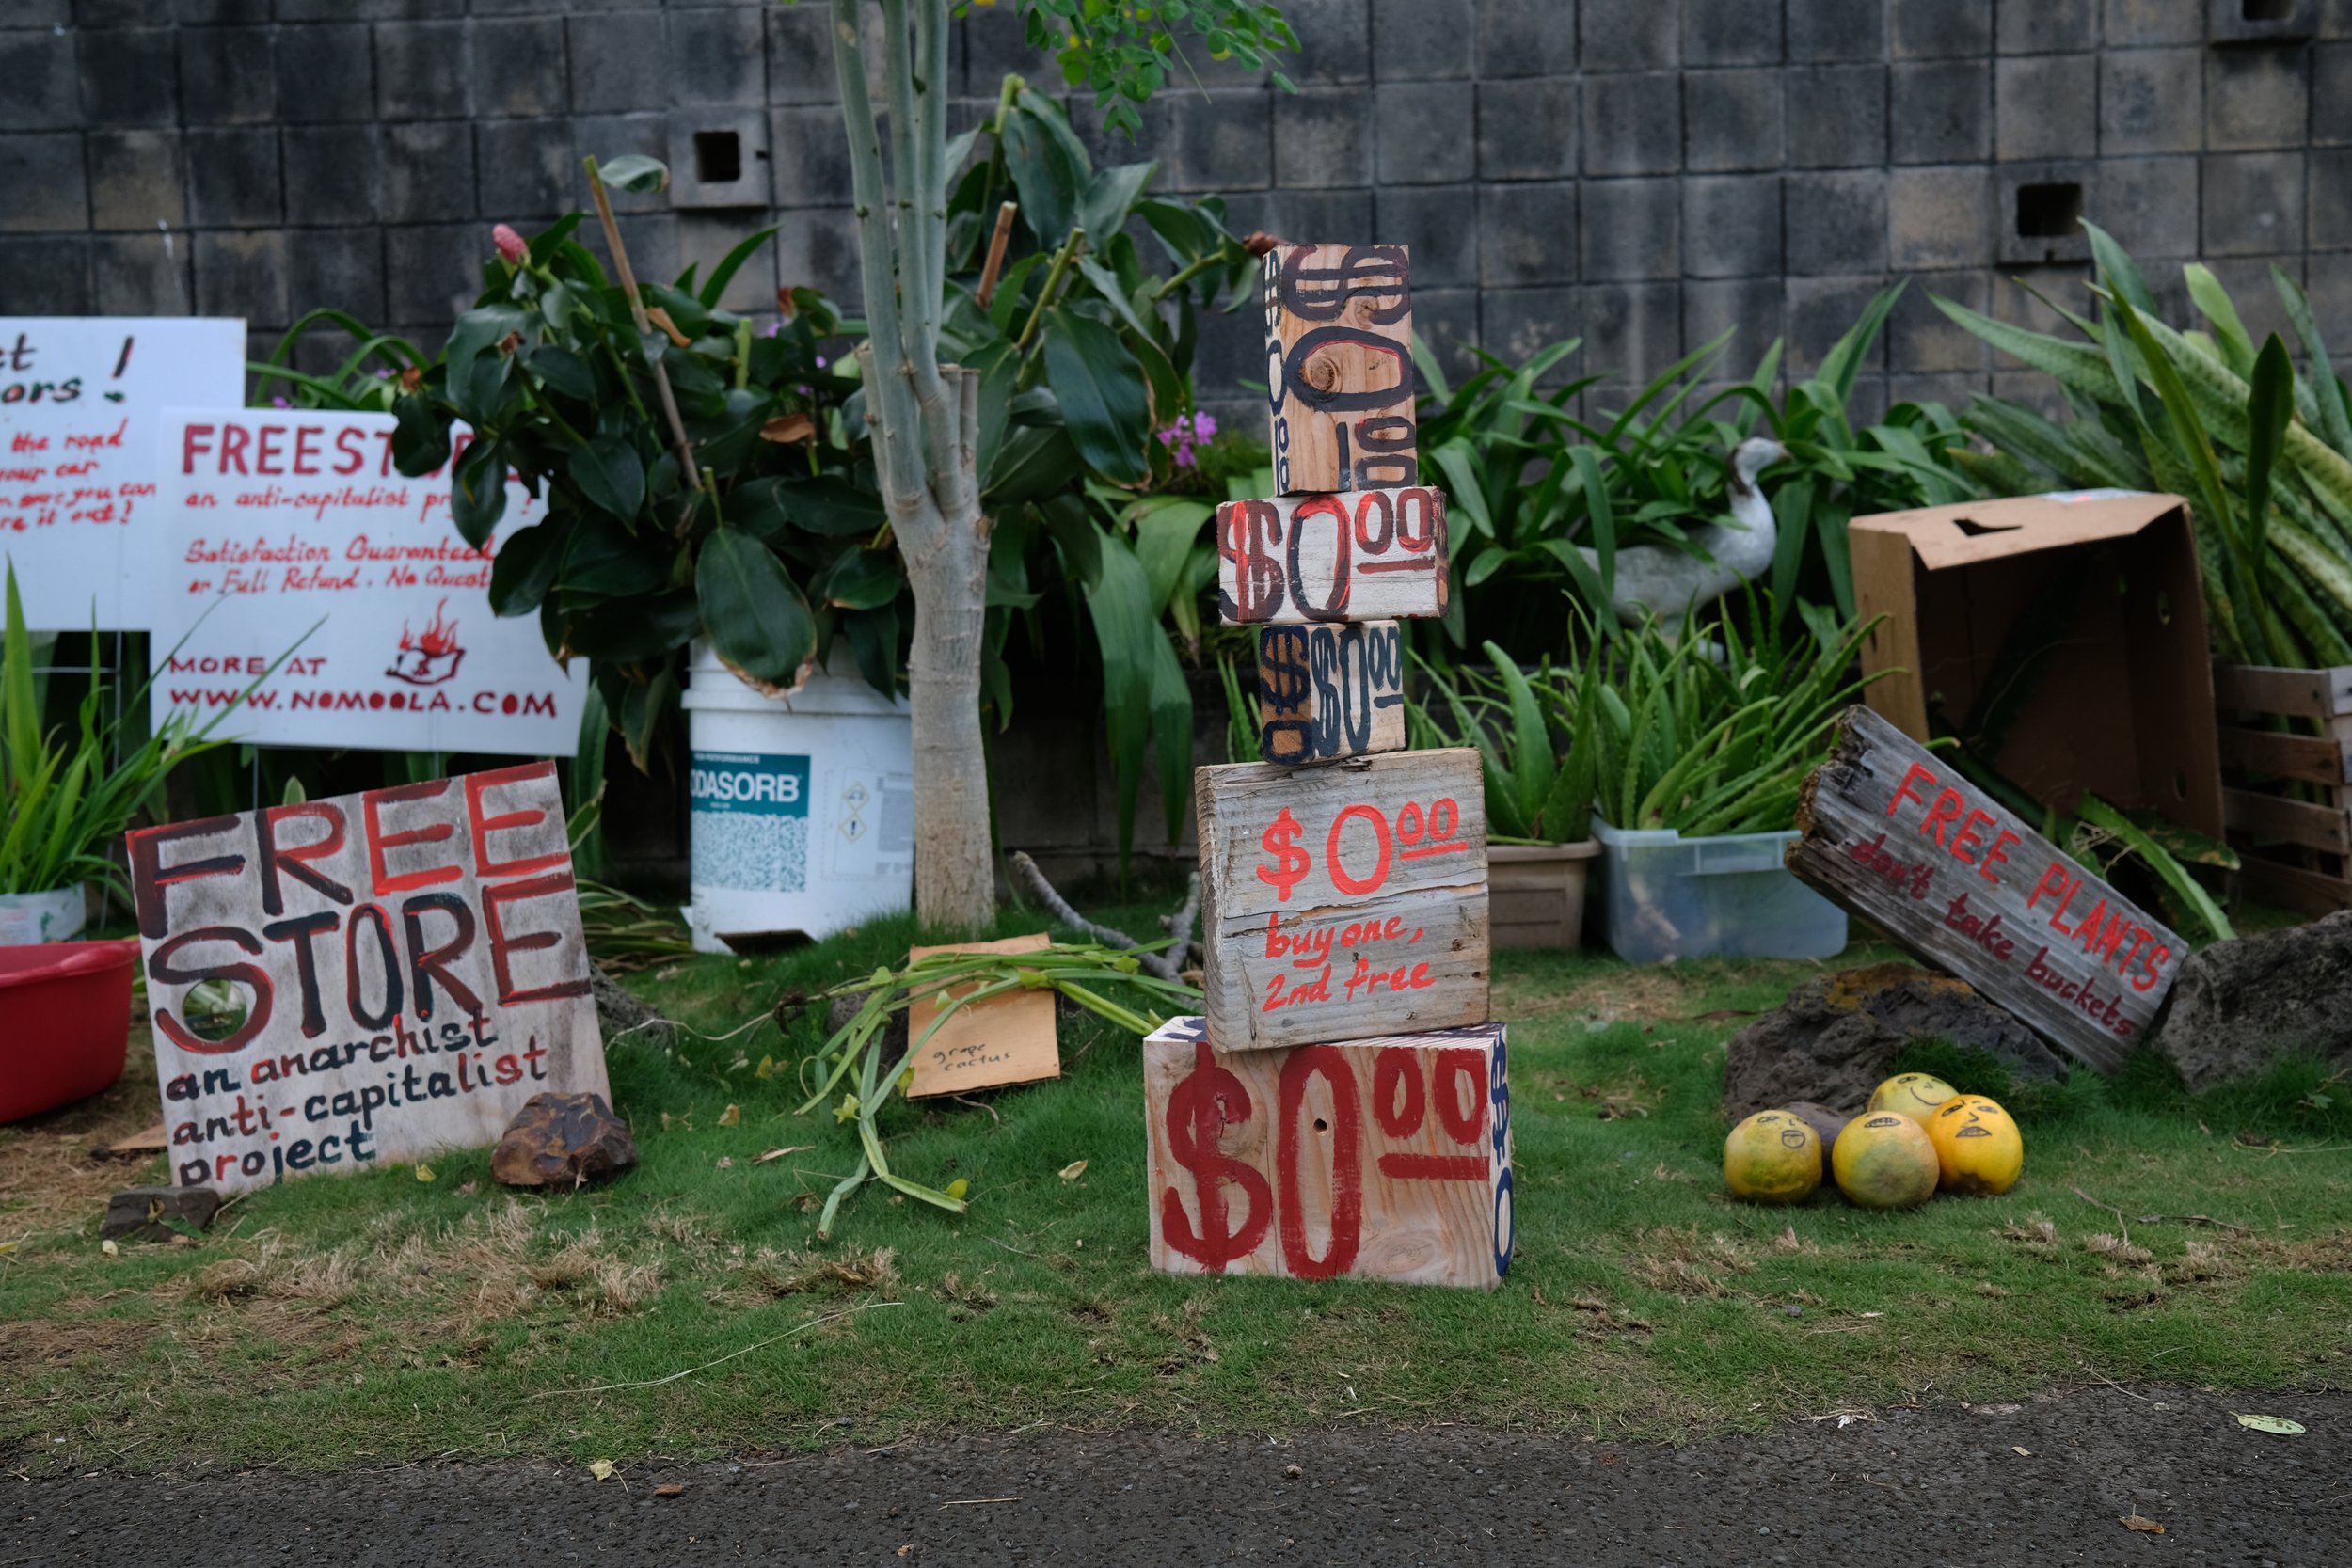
<point x="1203" y="426"/>
<point x="511" y="245"/>
<point x="1180" y="438"/>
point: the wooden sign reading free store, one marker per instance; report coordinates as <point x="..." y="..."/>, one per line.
<point x="1894" y="834"/>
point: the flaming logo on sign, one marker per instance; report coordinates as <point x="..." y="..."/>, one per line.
<point x="431" y="659"/>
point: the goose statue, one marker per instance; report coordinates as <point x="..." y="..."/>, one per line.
<point x="1662" y="581"/>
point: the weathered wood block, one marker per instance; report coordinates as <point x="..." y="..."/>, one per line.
<point x="1381" y="1159"/>
<point x="142" y="1213"/>
<point x="1327" y="692"/>
<point x="1376" y="555"/>
<point x="1344" y="901"/>
<point x="1898" y="837"/>
<point x="1339" y="337"/>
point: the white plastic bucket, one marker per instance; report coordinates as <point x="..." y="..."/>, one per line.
<point x="55" y="915"/>
<point x="802" y="808"/>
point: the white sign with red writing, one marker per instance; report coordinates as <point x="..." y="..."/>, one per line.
<point x="82" y="400"/>
<point x="277" y="520"/>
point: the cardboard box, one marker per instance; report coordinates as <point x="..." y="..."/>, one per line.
<point x="2071" y="626"/>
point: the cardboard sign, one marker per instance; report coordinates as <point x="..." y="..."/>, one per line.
<point x="989" y="1045"/>
<point x="1896" y="835"/>
<point x="1330" y="692"/>
<point x="81" y="409"/>
<point x="274" y="519"/>
<point x="410" y="963"/>
<point x="1339" y="345"/>
<point x="1377" y="555"/>
<point x="1381" y="1159"/>
<point x="1344" y="901"/>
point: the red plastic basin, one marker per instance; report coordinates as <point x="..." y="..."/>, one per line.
<point x="65" y="1020"/>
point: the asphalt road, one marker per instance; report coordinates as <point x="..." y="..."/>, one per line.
<point x="2046" y="1483"/>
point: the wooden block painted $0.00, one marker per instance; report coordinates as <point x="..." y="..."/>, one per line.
<point x="1379" y="1159"/>
<point x="1377" y="555"/>
<point x="1326" y="692"/>
<point x="1342" y="902"/>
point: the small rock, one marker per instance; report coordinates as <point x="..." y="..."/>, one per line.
<point x="1293" y="1471"/>
<point x="140" y="1214"/>
<point x="562" y="1140"/>
<point x="2239" y="1007"/>
<point x="669" y="1489"/>
<point x="894" y="1038"/>
<point x="622" y="1017"/>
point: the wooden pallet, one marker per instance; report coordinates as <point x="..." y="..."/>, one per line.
<point x="2296" y="853"/>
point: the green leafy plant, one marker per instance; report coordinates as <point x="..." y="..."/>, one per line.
<point x="1540" y="757"/>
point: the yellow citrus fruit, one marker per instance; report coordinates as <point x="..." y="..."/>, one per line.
<point x="1916" y="1095"/>
<point x="1773" y="1157"/>
<point x="1978" y="1147"/>
<point x="1886" y="1160"/>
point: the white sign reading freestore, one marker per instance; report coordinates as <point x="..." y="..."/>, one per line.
<point x="273" y="520"/>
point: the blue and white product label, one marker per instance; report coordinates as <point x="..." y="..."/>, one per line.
<point x="750" y="821"/>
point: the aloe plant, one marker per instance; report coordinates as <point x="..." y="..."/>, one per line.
<point x="1535" y="749"/>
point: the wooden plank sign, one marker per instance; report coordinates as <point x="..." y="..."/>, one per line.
<point x="1377" y="555"/>
<point x="1008" y="1038"/>
<point x="1339" y="342"/>
<point x="1344" y="901"/>
<point x="1898" y="837"/>
<point x="409" y="964"/>
<point x="1382" y="1158"/>
<point x="1330" y="692"/>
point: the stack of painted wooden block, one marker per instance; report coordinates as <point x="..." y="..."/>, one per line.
<point x="1345" y="1106"/>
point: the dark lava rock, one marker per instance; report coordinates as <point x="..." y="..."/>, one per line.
<point x="562" y="1140"/>
<point x="845" y="1010"/>
<point x="2239" y="1007"/>
<point x="621" y="1016"/>
<point x="1835" y="1038"/>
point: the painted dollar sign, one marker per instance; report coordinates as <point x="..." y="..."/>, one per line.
<point x="1288" y="868"/>
<point x="1202" y="1105"/>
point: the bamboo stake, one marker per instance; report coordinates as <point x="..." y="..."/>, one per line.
<point x="644" y="326"/>
<point x="996" y="243"/>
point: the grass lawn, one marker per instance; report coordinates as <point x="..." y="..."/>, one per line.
<point x="386" y="1318"/>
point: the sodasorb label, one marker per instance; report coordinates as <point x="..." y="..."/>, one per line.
<point x="751" y="821"/>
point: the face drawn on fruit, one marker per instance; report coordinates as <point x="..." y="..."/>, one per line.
<point x="1795" y="1137"/>
<point x="1973" y="1130"/>
<point x="1954" y="1108"/>
<point x="1883" y="1121"/>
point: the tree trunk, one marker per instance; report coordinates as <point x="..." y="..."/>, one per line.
<point x="955" y="881"/>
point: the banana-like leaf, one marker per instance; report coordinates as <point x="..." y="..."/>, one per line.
<point x="2270" y="408"/>
<point x="1101" y="387"/>
<point x="750" y="609"/>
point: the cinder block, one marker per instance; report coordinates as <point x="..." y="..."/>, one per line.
<point x="324" y="73"/>
<point x="616" y="64"/>
<point x="1940" y="217"/>
<point x="1946" y="115"/>
<point x="1334" y="37"/>
<point x="1525" y="38"/>
<point x="1835" y="223"/>
<point x="139" y="275"/>
<point x="1527" y="129"/>
<point x="799" y="53"/>
<point x="1440" y="225"/>
<point x="1731" y="226"/>
<point x="704" y="241"/>
<point x="220" y="13"/>
<point x="2331" y="93"/>
<point x="2332" y="207"/>
<point x="2047" y="27"/>
<point x="2148" y="205"/>
<point x="606" y="137"/>
<point x="1821" y="30"/>
<point x="1633" y="124"/>
<point x="118" y="13"/>
<point x="818" y="249"/>
<point x="2335" y="19"/>
<point x="1922" y="339"/>
<point x="243" y="275"/>
<point x="2273" y="22"/>
<point x="373" y="11"/>
<point x="1424" y="133"/>
<point x="2256" y="98"/>
<point x="338" y="268"/>
<point x="809" y="154"/>
<point x="428" y="172"/>
<point x="715" y="56"/>
<point x="1631" y="330"/>
<point x="2031" y="389"/>
<point x="1446" y="320"/>
<point x="1630" y="34"/>
<point x="1223" y="143"/>
<point x="1938" y="29"/>
<point x="1323" y="136"/>
<point x="42" y="80"/>
<point x="1732" y="119"/>
<point x="1527" y="234"/>
<point x="135" y="179"/>
<point x="1413" y="40"/>
<point x="1632" y="228"/>
<point x="2253" y="203"/>
<point x="2327" y="281"/>
<point x="234" y="179"/>
<point x="48" y="275"/>
<point x="2046" y="106"/>
<point x="432" y="272"/>
<point x="424" y="71"/>
<point x="1516" y="325"/>
<point x="520" y="68"/>
<point x="1819" y="311"/>
<point x="1837" y="116"/>
<point x="130" y="77"/>
<point x="1750" y="308"/>
<point x="331" y="173"/>
<point x="1730" y="32"/>
<point x="1954" y="390"/>
<point x="2150" y="100"/>
<point x="718" y="158"/>
<point x="528" y="170"/>
<point x="45" y="13"/>
<point x="2018" y="299"/>
<point x="2137" y="24"/>
<point x="226" y="76"/>
<point x="2038" y="209"/>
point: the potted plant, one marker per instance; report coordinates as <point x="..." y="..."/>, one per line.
<point x="1539" y="803"/>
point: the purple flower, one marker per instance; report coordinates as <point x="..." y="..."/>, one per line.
<point x="279" y="402"/>
<point x="1188" y="431"/>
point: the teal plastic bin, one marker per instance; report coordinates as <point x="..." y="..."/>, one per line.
<point x="1727" y="897"/>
